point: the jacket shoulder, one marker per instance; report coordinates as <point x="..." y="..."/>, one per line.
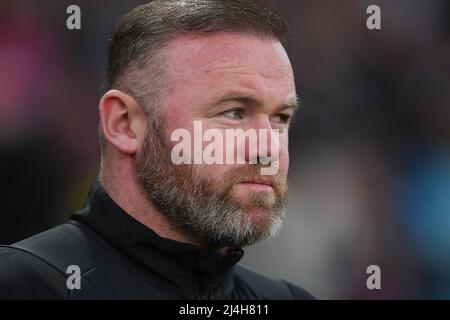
<point x="253" y="285"/>
<point x="37" y="266"/>
<point x="67" y="244"/>
<point x="26" y="276"/>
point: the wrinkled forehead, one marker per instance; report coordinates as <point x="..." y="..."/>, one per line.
<point x="227" y="56"/>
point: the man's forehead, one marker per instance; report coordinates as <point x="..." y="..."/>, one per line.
<point x="228" y="54"/>
<point x="277" y="75"/>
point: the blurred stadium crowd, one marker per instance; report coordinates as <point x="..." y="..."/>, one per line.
<point x="370" y="146"/>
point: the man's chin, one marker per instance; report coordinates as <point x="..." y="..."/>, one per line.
<point x="258" y="213"/>
<point x="255" y="210"/>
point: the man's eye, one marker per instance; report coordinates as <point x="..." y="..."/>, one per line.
<point x="233" y="114"/>
<point x="282" y="118"/>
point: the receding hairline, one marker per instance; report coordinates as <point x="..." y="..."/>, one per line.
<point x="161" y="57"/>
<point x="152" y="25"/>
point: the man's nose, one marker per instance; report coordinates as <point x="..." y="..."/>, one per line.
<point x="267" y="147"/>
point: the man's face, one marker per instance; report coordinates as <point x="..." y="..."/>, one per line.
<point x="224" y="82"/>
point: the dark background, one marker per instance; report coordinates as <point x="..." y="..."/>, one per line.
<point x="370" y="147"/>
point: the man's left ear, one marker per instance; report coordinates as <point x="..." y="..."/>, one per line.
<point x="123" y="120"/>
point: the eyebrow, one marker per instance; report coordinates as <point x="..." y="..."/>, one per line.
<point x="248" y="99"/>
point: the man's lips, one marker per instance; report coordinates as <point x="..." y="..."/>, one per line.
<point x="264" y="183"/>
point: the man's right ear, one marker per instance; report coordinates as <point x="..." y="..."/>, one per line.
<point x="123" y="121"/>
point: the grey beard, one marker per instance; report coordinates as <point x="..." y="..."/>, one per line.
<point x="189" y="203"/>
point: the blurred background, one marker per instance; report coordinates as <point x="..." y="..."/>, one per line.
<point x="370" y="147"/>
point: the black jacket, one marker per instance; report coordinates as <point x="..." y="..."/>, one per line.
<point x="119" y="258"/>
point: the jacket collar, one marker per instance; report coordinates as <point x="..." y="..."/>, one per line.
<point x="179" y="262"/>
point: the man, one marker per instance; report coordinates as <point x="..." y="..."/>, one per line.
<point x="153" y="228"/>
